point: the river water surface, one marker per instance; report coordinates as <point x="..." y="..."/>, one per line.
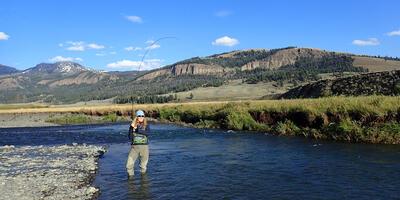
<point x="188" y="163"/>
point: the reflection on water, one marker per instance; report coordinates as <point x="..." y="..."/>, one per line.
<point x="188" y="163"/>
<point x="139" y="188"/>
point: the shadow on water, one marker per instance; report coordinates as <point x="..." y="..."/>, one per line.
<point x="187" y="163"/>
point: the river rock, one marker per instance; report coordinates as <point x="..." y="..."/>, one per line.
<point x="48" y="172"/>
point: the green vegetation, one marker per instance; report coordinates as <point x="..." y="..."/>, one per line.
<point x="237" y="59"/>
<point x="367" y="119"/>
<point x="83" y="119"/>
<point x="305" y="69"/>
<point x="150" y="91"/>
<point x="71" y="119"/>
<point x="373" y="119"/>
<point x="145" y="99"/>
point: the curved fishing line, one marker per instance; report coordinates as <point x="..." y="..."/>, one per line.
<point x="148" y="49"/>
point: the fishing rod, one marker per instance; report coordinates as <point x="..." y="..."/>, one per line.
<point x="148" y="49"/>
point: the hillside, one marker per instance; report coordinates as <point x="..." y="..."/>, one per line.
<point x="6" y="70"/>
<point x="376" y="83"/>
<point x="247" y="60"/>
<point x="279" y="69"/>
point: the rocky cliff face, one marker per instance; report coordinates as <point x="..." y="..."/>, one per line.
<point x="284" y="57"/>
<point x="380" y="83"/>
<point x="187" y="69"/>
<point x="274" y="60"/>
<point x="196" y="69"/>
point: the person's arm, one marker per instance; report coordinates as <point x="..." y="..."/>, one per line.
<point x="131" y="132"/>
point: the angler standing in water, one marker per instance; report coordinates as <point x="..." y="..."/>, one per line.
<point x="138" y="133"/>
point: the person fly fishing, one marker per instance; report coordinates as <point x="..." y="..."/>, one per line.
<point x="138" y="133"/>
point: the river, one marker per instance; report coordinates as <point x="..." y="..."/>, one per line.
<point x="189" y="163"/>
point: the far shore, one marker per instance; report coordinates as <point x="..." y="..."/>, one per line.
<point x="363" y="119"/>
<point x="21" y="120"/>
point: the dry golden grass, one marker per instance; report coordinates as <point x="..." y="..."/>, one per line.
<point x="376" y="64"/>
<point x="364" y="104"/>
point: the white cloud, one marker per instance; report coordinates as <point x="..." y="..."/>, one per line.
<point x="225" y="41"/>
<point x="134" y="65"/>
<point x="134" y="19"/>
<point x="149" y="41"/>
<point x="113" y="52"/>
<point x="394" y="33"/>
<point x="153" y="46"/>
<point x="95" y="46"/>
<point x="80" y="46"/>
<point x="63" y="59"/>
<point x="4" y="36"/>
<point x="223" y="13"/>
<point x="368" y="42"/>
<point x="76" y="48"/>
<point x="130" y="48"/>
<point x="100" y="54"/>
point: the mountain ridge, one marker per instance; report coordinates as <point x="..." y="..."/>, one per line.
<point x="6" y="70"/>
<point x="71" y="82"/>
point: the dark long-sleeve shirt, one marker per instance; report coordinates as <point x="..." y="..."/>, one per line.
<point x="140" y="131"/>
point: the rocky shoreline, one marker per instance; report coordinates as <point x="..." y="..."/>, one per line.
<point x="49" y="172"/>
<point x="24" y="120"/>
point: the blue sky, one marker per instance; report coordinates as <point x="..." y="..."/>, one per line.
<point x="113" y="35"/>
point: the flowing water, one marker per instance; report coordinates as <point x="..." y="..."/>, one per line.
<point x="188" y="163"/>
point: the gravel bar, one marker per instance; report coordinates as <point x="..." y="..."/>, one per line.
<point x="43" y="172"/>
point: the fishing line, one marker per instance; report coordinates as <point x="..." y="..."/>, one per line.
<point x="148" y="49"/>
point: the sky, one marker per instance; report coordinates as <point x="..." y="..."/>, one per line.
<point x="115" y="35"/>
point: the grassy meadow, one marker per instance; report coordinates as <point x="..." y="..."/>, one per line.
<point x="369" y="119"/>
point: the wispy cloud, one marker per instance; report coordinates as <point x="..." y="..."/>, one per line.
<point x="134" y="19"/>
<point x="134" y="65"/>
<point x="63" y="59"/>
<point x="130" y="48"/>
<point x="153" y="46"/>
<point x="225" y="41"/>
<point x="368" y="42"/>
<point x="100" y="54"/>
<point x="95" y="46"/>
<point x="223" y="13"/>
<point x="4" y="36"/>
<point x="80" y="46"/>
<point x="394" y="33"/>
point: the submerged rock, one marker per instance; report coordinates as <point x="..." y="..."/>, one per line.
<point x="57" y="172"/>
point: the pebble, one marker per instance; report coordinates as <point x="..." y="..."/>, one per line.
<point x="41" y="172"/>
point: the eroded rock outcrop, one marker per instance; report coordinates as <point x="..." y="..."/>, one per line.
<point x="284" y="57"/>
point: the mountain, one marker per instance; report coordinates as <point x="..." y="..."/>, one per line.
<point x="281" y="69"/>
<point x="247" y="60"/>
<point x="56" y="68"/>
<point x="5" y="70"/>
<point x="51" y="75"/>
<point x="376" y="83"/>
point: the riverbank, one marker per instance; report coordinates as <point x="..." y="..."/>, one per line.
<point x="58" y="172"/>
<point x="365" y="119"/>
<point x="40" y="119"/>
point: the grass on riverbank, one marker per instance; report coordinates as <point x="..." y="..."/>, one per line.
<point x="84" y="119"/>
<point x="373" y="119"/>
<point x="369" y="119"/>
<point x="21" y="106"/>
